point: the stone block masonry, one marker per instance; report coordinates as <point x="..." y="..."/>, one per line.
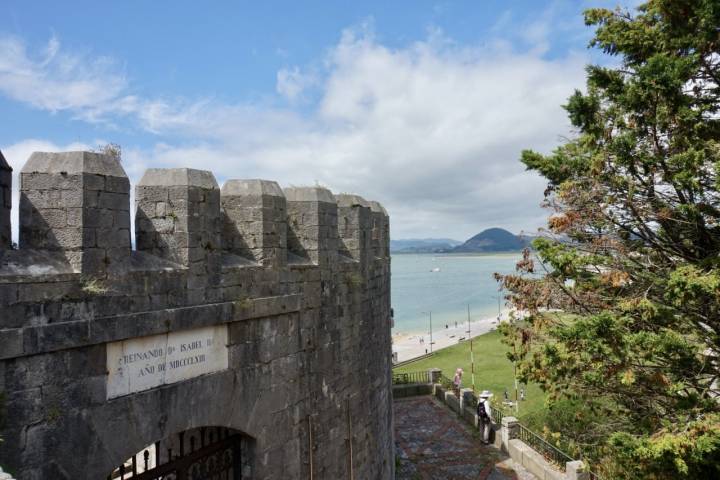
<point x="247" y="307"/>
<point x="5" y="202"/>
<point x="77" y="204"/>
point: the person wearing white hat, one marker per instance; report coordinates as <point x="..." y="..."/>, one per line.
<point x="484" y="414"/>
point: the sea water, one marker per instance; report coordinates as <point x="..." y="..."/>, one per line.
<point x="445" y="285"/>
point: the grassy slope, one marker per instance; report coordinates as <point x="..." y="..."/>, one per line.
<point x="493" y="371"/>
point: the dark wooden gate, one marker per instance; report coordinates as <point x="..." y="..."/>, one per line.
<point x="206" y="454"/>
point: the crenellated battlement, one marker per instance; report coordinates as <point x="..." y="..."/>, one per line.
<point x="77" y="205"/>
<point x="195" y="243"/>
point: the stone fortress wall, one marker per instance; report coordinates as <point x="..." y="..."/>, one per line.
<point x="298" y="281"/>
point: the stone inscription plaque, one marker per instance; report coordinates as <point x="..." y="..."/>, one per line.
<point x="142" y="363"/>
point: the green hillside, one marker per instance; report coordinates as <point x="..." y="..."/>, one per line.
<point x="493" y="371"/>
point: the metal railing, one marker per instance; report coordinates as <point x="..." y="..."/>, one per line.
<point x="410" y="377"/>
<point x="497" y="415"/>
<point x="549" y="451"/>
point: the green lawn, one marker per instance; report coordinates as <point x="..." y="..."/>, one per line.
<point x="493" y="371"/>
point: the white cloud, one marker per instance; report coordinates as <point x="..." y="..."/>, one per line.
<point x="291" y="83"/>
<point x="432" y="130"/>
<point x="56" y="80"/>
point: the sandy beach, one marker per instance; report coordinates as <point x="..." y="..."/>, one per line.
<point x="411" y="345"/>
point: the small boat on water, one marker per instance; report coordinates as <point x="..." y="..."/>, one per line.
<point x="436" y="269"/>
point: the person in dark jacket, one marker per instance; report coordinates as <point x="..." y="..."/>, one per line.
<point x="484" y="415"/>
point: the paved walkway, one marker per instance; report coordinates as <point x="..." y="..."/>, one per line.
<point x="432" y="443"/>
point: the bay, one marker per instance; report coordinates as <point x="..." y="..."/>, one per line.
<point x="445" y="284"/>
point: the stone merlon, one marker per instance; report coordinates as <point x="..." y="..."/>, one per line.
<point x="78" y="204"/>
<point x="254" y="218"/>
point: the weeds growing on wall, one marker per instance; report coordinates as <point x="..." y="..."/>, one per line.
<point x="94" y="286"/>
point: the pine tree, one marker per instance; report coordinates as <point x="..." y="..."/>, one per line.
<point x="633" y="263"/>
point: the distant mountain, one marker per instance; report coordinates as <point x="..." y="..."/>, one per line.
<point x="423" y="245"/>
<point x="490" y="240"/>
<point x="494" y="240"/>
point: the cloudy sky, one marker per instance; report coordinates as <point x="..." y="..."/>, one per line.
<point x="423" y="106"/>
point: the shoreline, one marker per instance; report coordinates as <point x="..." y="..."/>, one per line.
<point x="468" y="254"/>
<point x="408" y="345"/>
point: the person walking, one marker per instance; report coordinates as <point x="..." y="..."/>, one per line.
<point x="457" y="381"/>
<point x="484" y="415"/>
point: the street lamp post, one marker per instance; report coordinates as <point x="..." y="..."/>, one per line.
<point x="431" y="340"/>
<point x="499" y="297"/>
<point x="472" y="359"/>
